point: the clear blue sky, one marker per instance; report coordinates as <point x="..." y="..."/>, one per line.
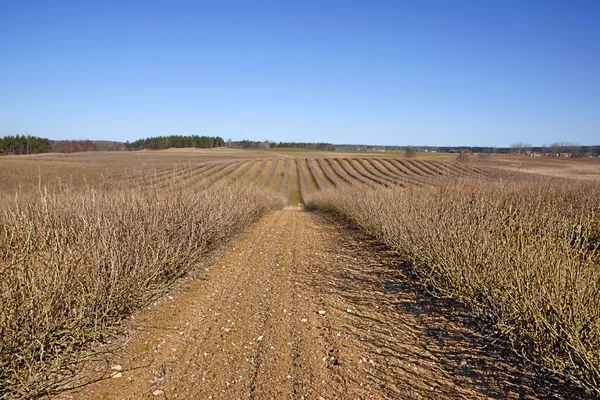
<point x="380" y="72"/>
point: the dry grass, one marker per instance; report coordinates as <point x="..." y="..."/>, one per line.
<point x="523" y="254"/>
<point x="75" y="263"/>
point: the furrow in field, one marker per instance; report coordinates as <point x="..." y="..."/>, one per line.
<point x="396" y="167"/>
<point x="251" y="168"/>
<point x="144" y="172"/>
<point x="370" y="168"/>
<point x="375" y="165"/>
<point x="303" y="184"/>
<point x="425" y="167"/>
<point x="275" y="183"/>
<point x="473" y="171"/>
<point x="199" y="175"/>
<point x="357" y="166"/>
<point x="269" y="173"/>
<point x="134" y="171"/>
<point x="419" y="167"/>
<point x="317" y="174"/>
<point x="338" y="171"/>
<point x="347" y="168"/>
<point x="311" y="184"/>
<point x="285" y="179"/>
<point x="461" y="170"/>
<point x="161" y="173"/>
<point x="457" y="170"/>
<point x="466" y="171"/>
<point x="444" y="168"/>
<point x="198" y="179"/>
<point x="410" y="167"/>
<point x="176" y="170"/>
<point x="264" y="172"/>
<point x="255" y="172"/>
<point x="435" y="166"/>
<point x="238" y="173"/>
<point x="331" y="177"/>
<point x="134" y="177"/>
<point x="182" y="180"/>
<point x="429" y="175"/>
<point x="123" y="175"/>
<point x="222" y="175"/>
<point x="482" y="172"/>
<point x="476" y="172"/>
<point x="241" y="171"/>
<point x="408" y="176"/>
<point x="398" y="177"/>
<point x="117" y="173"/>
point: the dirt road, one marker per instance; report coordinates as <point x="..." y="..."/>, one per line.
<point x="302" y="308"/>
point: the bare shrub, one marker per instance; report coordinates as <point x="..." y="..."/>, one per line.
<point x="72" y="265"/>
<point x="524" y="254"/>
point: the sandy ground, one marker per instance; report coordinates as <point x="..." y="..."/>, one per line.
<point x="303" y="308"/>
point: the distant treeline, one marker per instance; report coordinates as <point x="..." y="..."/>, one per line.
<point x="550" y="150"/>
<point x="22" y="144"/>
<point x="247" y="144"/>
<point x="75" y="146"/>
<point x="250" y="144"/>
<point x="18" y="145"/>
<point x="573" y="150"/>
<point x="166" y="142"/>
<point x="311" y="146"/>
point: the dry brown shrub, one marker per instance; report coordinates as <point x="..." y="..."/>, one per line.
<point x="523" y="254"/>
<point x="73" y="264"/>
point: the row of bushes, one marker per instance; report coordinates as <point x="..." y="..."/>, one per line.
<point x="72" y="265"/>
<point x="525" y="254"/>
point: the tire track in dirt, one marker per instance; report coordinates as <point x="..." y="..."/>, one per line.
<point x="302" y="307"/>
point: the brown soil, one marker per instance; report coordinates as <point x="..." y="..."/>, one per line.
<point x="303" y="308"/>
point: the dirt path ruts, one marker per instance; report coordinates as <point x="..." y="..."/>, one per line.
<point x="301" y="308"/>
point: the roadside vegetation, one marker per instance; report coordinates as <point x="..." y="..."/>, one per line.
<point x="524" y="255"/>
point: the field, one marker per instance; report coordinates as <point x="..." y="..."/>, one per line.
<point x="88" y="240"/>
<point x="284" y="172"/>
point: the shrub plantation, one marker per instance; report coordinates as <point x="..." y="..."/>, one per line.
<point x="74" y="264"/>
<point x="524" y="254"/>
